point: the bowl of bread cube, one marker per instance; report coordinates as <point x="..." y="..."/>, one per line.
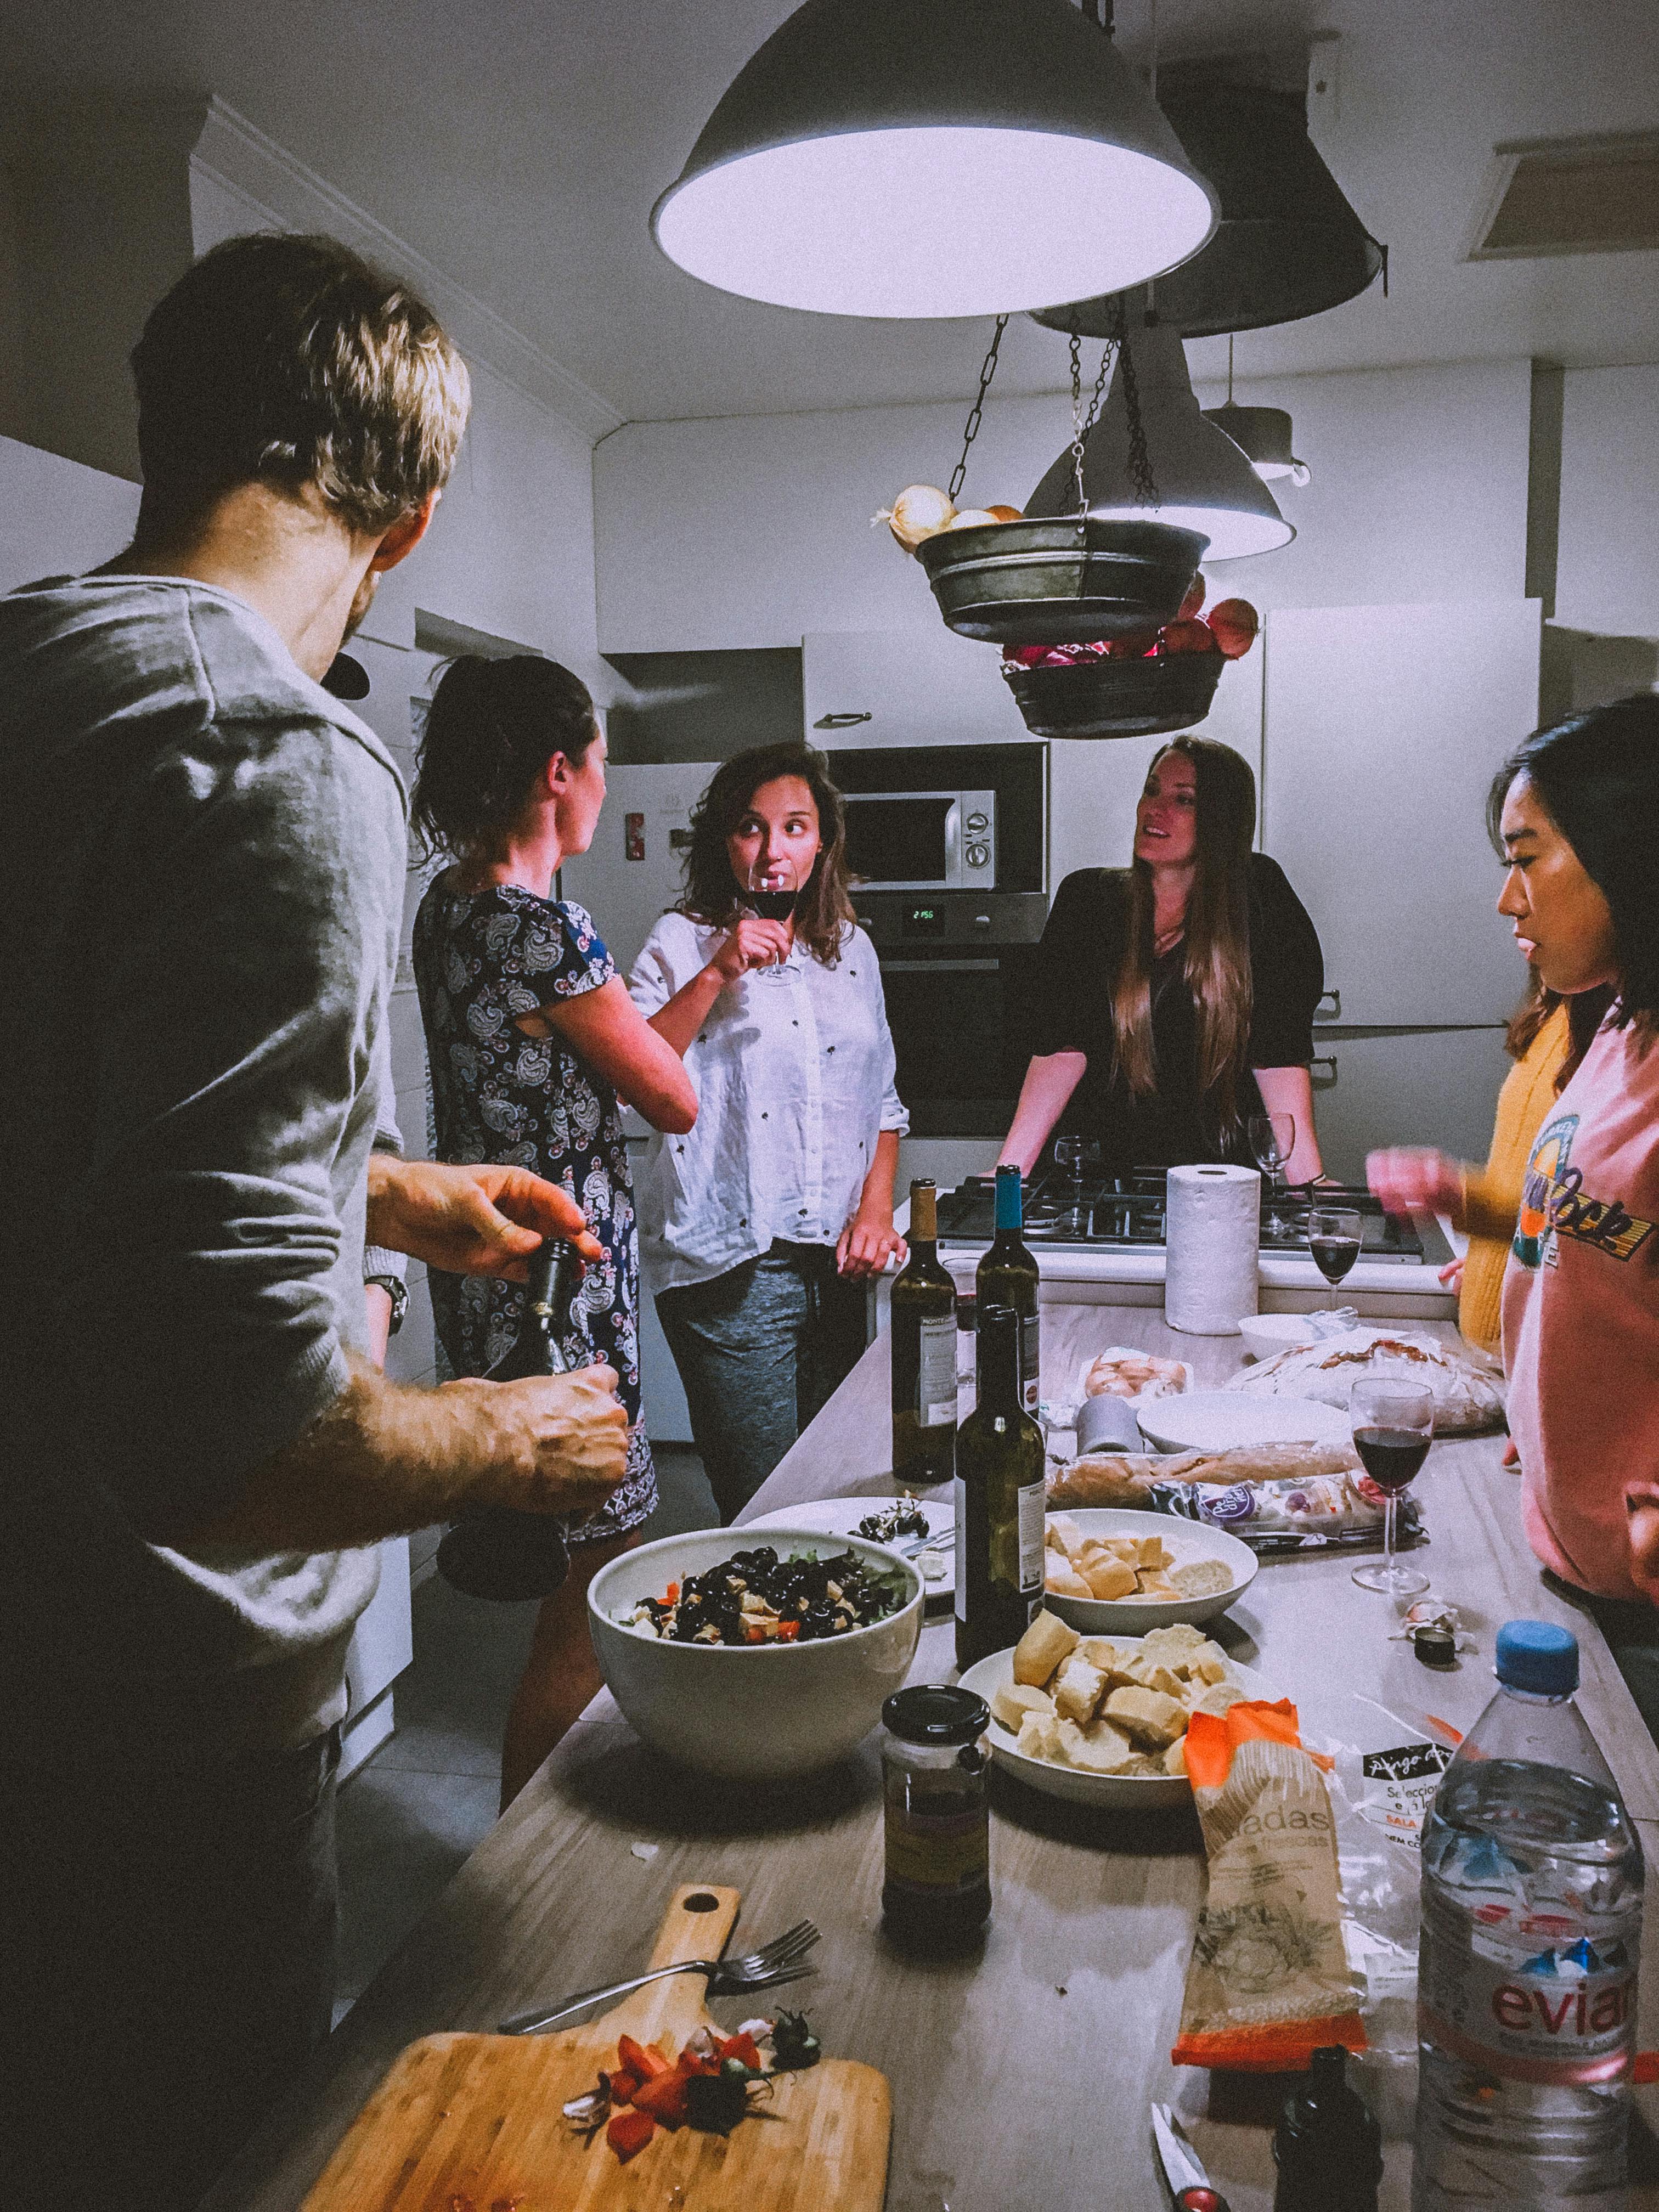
<point x="1111" y="1569"/>
<point x="1103" y="1720"/>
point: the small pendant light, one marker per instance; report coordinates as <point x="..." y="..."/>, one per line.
<point x="1261" y="434"/>
<point x="916" y="158"/>
<point x="1201" y="480"/>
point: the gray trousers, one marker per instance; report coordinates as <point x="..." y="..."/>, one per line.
<point x="169" y="1937"/>
<point x="759" y="1351"/>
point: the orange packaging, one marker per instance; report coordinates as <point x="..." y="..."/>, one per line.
<point x="1269" y="1981"/>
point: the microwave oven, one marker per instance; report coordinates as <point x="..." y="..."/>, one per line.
<point x="922" y="841"/>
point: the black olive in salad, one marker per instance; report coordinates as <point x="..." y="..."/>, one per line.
<point x="755" y="1597"/>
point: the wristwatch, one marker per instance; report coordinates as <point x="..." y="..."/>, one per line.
<point x="398" y="1293"/>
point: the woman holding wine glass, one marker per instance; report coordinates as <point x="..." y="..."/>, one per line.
<point x="1175" y="998"/>
<point x="531" y="1041"/>
<point x="764" y="1224"/>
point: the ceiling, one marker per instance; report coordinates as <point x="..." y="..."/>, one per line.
<point x="519" y="144"/>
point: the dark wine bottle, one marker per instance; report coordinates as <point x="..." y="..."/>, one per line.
<point x="999" y="1501"/>
<point x="1007" y="1276"/>
<point x="924" y="1352"/>
<point x="493" y="1552"/>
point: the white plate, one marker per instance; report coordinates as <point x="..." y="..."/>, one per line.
<point x="1266" y="1334"/>
<point x="839" y="1517"/>
<point x="1117" y="1792"/>
<point x="1209" y="1420"/>
<point x="1134" y="1616"/>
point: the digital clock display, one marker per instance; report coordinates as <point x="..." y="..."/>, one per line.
<point x="924" y="922"/>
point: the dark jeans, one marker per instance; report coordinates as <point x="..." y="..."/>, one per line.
<point x="168" y="1935"/>
<point x="1632" y="1632"/>
<point x="759" y="1351"/>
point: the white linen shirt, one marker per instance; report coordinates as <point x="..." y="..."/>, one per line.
<point x="793" y="1072"/>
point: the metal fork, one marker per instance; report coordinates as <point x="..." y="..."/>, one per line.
<point x="782" y="1959"/>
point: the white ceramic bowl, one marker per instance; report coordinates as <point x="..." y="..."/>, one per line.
<point x="1264" y="1334"/>
<point x="1187" y="1539"/>
<point x="760" y="1712"/>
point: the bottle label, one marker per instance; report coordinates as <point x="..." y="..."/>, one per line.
<point x="960" y="1493"/>
<point x="1030" y="1362"/>
<point x="936" y="1372"/>
<point x="1562" y="2016"/>
<point x="1033" y="1534"/>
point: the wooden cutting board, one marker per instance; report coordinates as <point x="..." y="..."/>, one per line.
<point x="475" y="2123"/>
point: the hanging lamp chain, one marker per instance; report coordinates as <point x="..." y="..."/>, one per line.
<point x="1083" y="420"/>
<point x="1140" y="466"/>
<point x="970" y="428"/>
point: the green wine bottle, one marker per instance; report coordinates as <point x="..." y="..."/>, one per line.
<point x="1008" y="1276"/>
<point x="493" y="1552"/>
<point x="999" y="1501"/>
<point x="924" y="1350"/>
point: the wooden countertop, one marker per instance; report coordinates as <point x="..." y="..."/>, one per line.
<point x="1022" y="2078"/>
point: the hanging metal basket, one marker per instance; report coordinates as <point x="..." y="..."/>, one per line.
<point x="1140" y="698"/>
<point x="1042" y="581"/>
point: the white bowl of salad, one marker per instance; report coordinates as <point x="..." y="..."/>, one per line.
<point x="755" y="1654"/>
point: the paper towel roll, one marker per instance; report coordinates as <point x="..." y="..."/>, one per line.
<point x="1212" y="1229"/>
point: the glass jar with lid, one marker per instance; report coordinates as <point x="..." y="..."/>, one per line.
<point x="937" y="1894"/>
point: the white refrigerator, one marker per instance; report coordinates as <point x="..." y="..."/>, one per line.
<point x="631" y="873"/>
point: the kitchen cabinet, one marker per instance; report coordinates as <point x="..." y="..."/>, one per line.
<point x="904" y="687"/>
<point x="1405" y="1087"/>
<point x="1383" y="727"/>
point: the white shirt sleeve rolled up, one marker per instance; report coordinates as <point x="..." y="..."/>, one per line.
<point x="793" y="1069"/>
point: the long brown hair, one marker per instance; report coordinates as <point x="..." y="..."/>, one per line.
<point x="824" y="909"/>
<point x="1217" y="941"/>
<point x="1586" y="1012"/>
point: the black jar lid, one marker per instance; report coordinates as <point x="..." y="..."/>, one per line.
<point x="936" y="1712"/>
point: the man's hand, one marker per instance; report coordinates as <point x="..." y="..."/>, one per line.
<point x="1643" y="1509"/>
<point x="1413" y="1180"/>
<point x="556" y="1444"/>
<point x="866" y="1245"/>
<point x="470" y="1220"/>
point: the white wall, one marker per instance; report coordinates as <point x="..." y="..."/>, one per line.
<point x="1607" y="569"/>
<point x="753" y="531"/>
<point x="58" y="517"/>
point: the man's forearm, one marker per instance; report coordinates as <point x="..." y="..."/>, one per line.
<point x="380" y="1461"/>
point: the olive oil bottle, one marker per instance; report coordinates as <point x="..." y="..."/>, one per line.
<point x="999" y="1501"/>
<point x="1008" y="1276"/>
<point x="494" y="1552"/>
<point x="924" y="1352"/>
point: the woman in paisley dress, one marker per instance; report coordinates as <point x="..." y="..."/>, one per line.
<point x="533" y="1040"/>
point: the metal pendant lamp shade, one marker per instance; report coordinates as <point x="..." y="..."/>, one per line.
<point x="1202" y="480"/>
<point x="912" y="158"/>
<point x="1263" y="436"/>
<point x="1288" y="244"/>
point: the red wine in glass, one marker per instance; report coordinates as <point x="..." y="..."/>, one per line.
<point x="772" y="906"/>
<point x="1334" y="1255"/>
<point x="1334" y="1235"/>
<point x="1392" y="1457"/>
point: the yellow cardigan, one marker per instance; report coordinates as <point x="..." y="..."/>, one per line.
<point x="1491" y="1195"/>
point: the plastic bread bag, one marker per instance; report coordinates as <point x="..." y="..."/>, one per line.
<point x="1269" y="1981"/>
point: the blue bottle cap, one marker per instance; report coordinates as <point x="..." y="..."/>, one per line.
<point x="1538" y="1656"/>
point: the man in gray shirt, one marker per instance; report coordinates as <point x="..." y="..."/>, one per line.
<point x="203" y="879"/>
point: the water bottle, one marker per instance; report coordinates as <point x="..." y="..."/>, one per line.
<point x="1532" y="1929"/>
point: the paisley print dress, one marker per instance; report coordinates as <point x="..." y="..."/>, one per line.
<point x="481" y="959"/>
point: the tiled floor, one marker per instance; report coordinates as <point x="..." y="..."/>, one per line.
<point x="410" y="1816"/>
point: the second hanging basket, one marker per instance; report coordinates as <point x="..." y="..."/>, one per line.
<point x="1145" y="697"/>
<point x="1043" y="581"/>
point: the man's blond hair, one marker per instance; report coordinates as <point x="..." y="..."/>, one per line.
<point x="290" y="360"/>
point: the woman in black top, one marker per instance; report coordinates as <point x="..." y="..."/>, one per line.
<point x="1175" y="998"/>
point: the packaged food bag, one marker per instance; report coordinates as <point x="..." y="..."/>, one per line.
<point x="1269" y="1981"/>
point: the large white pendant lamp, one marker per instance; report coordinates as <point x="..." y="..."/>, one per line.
<point x="1200" y="478"/>
<point x="933" y="157"/>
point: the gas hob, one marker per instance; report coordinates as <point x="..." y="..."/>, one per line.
<point x="1125" y="1213"/>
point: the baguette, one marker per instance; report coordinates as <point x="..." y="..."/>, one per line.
<point x="1128" y="1478"/>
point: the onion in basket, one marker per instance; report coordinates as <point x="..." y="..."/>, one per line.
<point x="920" y="511"/>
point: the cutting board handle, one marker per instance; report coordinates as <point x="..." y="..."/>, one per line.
<point x="698" y="1921"/>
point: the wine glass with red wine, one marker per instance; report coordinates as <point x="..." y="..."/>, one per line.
<point x="1393" y="1428"/>
<point x="772" y="892"/>
<point x="1334" y="1234"/>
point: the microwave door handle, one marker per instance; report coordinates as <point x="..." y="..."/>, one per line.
<point x="954" y="842"/>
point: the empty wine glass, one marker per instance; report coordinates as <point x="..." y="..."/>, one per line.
<point x="1071" y="1155"/>
<point x="1334" y="1234"/>
<point x="1273" y="1140"/>
<point x="1392" y="1426"/>
<point x="771" y="890"/>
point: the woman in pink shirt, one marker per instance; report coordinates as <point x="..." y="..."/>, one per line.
<point x="1577" y="813"/>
